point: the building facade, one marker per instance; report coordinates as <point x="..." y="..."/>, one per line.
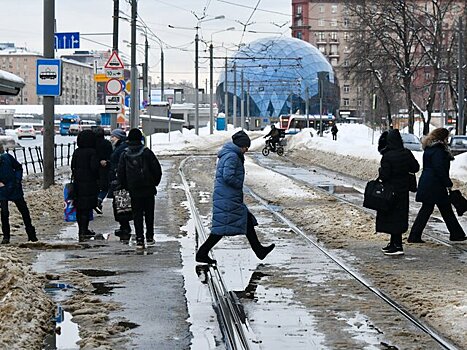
<point x="78" y="85"/>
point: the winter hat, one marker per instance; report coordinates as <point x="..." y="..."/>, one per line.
<point x="118" y="133"/>
<point x="241" y="139"/>
<point x="135" y="135"/>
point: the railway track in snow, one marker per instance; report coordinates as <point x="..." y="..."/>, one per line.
<point x="233" y="321"/>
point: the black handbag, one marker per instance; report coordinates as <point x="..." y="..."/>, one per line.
<point x="378" y="196"/>
<point x="458" y="201"/>
<point x="412" y="182"/>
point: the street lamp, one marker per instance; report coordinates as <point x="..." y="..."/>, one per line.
<point x="211" y="77"/>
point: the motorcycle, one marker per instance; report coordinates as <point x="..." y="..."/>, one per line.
<point x="279" y="148"/>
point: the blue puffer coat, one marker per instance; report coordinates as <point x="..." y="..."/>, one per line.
<point x="11" y="174"/>
<point x="229" y="213"/>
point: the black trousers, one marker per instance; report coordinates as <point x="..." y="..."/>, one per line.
<point x="82" y="218"/>
<point x="24" y="211"/>
<point x="212" y="240"/>
<point x="143" y="210"/>
<point x="334" y="136"/>
<point x="449" y="218"/>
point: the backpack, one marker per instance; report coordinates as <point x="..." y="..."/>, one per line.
<point x="134" y="167"/>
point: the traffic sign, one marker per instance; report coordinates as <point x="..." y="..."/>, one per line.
<point x="113" y="108"/>
<point x="101" y="78"/>
<point x="113" y="86"/>
<point x="114" y="100"/>
<point x="121" y="118"/>
<point x="113" y="73"/>
<point x="48" y="77"/>
<point x="114" y="62"/>
<point x="66" y="40"/>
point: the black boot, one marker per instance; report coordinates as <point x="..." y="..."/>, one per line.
<point x="260" y="251"/>
<point x="209" y="243"/>
<point x="31" y="231"/>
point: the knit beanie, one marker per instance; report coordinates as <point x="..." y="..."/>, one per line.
<point x="119" y="134"/>
<point x="241" y="139"/>
<point x="135" y="135"/>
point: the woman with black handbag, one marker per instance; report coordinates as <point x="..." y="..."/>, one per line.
<point x="396" y="164"/>
<point x="434" y="186"/>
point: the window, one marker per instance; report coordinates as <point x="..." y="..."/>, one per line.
<point x="334" y="62"/>
<point x="346" y="63"/>
<point x="359" y="89"/>
<point x="299" y="35"/>
<point x="346" y="89"/>
<point x="334" y="8"/>
<point x="299" y="22"/>
<point x="346" y="102"/>
<point x="321" y="22"/>
<point x="321" y="8"/>
<point x="299" y="9"/>
<point x="346" y="36"/>
<point x="322" y="48"/>
<point x="427" y="75"/>
<point x="359" y="102"/>
<point x="334" y="22"/>
<point x="346" y="21"/>
<point x="334" y="36"/>
<point x="321" y="37"/>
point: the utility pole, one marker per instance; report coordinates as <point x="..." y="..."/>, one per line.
<point x="226" y="96"/>
<point x="49" y="101"/>
<point x="307" y="106"/>
<point x="248" y="100"/>
<point x="145" y="70"/>
<point x="211" y="89"/>
<point x="242" y="103"/>
<point x="113" y="116"/>
<point x="460" y="81"/>
<point x="162" y="74"/>
<point x="234" y="102"/>
<point x="134" y="70"/>
<point x="196" y="84"/>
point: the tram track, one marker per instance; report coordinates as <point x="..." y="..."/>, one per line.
<point x="227" y="303"/>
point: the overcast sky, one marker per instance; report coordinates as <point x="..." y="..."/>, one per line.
<point x="22" y="24"/>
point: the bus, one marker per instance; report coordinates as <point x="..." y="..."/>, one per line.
<point x="293" y="124"/>
<point x="66" y="121"/>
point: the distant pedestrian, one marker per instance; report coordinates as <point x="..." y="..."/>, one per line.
<point x="119" y="145"/>
<point x="334" y="131"/>
<point x="85" y="173"/>
<point x="230" y="216"/>
<point x="11" y="189"/>
<point x="396" y="164"/>
<point x="434" y="186"/>
<point x="103" y="149"/>
<point x="140" y="172"/>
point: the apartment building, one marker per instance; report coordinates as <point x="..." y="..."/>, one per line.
<point x="78" y="85"/>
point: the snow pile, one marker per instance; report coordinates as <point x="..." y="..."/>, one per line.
<point x="26" y="312"/>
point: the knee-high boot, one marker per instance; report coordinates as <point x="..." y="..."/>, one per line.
<point x="260" y="251"/>
<point x="203" y="250"/>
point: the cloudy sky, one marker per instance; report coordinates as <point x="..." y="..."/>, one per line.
<point x="22" y="24"/>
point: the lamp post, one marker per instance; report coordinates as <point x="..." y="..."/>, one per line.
<point x="133" y="99"/>
<point x="211" y="78"/>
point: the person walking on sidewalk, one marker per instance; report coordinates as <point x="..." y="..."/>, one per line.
<point x="11" y="189"/>
<point x="396" y="164"/>
<point x="103" y="149"/>
<point x="434" y="186"/>
<point x="85" y="174"/>
<point x="334" y="131"/>
<point x="119" y="145"/>
<point x="140" y="172"/>
<point x="230" y="216"/>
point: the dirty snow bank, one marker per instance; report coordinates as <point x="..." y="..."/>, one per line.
<point x="26" y="311"/>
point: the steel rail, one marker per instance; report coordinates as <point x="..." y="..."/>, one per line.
<point x="236" y="329"/>
<point x="438" y="338"/>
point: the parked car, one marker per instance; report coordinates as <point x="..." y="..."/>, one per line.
<point x="458" y="144"/>
<point x="74" y="129"/>
<point x="26" y="131"/>
<point x="411" y="142"/>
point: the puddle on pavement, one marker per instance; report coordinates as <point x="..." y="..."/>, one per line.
<point x="66" y="333"/>
<point x="47" y="261"/>
<point x="128" y="325"/>
<point x="97" y="273"/>
<point x="337" y="189"/>
<point x="104" y="288"/>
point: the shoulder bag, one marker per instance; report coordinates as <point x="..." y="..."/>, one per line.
<point x="378" y="196"/>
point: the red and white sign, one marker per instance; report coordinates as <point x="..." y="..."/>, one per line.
<point x="114" y="62"/>
<point x="113" y="86"/>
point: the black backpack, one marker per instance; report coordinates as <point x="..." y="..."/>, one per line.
<point x="134" y="167"/>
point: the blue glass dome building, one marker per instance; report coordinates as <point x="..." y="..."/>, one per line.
<point x="278" y="75"/>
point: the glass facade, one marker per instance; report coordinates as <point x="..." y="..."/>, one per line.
<point x="278" y="75"/>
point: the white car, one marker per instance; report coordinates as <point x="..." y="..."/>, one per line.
<point x="26" y="131"/>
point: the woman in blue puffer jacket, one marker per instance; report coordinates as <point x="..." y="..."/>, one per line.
<point x="230" y="216"/>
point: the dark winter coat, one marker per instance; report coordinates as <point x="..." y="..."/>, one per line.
<point x="120" y="147"/>
<point x="85" y="171"/>
<point x="396" y="164"/>
<point x="434" y="181"/>
<point x="152" y="171"/>
<point x="11" y="174"/>
<point x="229" y="213"/>
<point x="104" y="150"/>
<point x="334" y="129"/>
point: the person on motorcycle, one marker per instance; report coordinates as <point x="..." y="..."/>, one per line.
<point x="274" y="139"/>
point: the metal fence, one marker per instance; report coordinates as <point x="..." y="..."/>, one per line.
<point x="31" y="157"/>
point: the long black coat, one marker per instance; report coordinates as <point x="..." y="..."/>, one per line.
<point x="120" y="147"/>
<point x="434" y="181"/>
<point x="396" y="164"/>
<point x="104" y="150"/>
<point x="85" y="171"/>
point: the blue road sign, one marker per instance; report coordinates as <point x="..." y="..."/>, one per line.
<point x="67" y="40"/>
<point x="48" y="77"/>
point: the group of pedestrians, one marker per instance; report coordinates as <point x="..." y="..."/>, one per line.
<point x="127" y="164"/>
<point x="396" y="170"/>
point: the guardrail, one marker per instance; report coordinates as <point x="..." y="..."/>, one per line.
<point x="31" y="157"/>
